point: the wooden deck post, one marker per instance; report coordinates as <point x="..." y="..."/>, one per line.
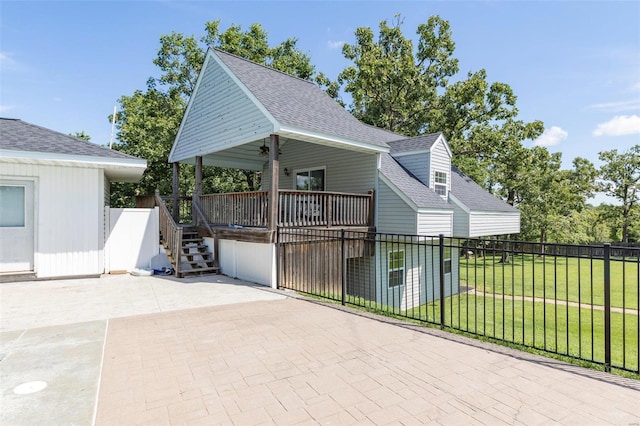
<point x="274" y="169"/>
<point x="176" y="192"/>
<point x="197" y="191"/>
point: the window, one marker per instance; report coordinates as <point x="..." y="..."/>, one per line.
<point x="12" y="209"/>
<point x="440" y="186"/>
<point x="447" y="260"/>
<point x="310" y="179"/>
<point x="396" y="268"/>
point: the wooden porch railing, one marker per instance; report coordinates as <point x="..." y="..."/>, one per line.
<point x="171" y="232"/>
<point x="297" y="209"/>
<point x="238" y="208"/>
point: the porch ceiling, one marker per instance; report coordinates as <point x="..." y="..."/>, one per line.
<point x="247" y="155"/>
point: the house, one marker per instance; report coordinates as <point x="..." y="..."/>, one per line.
<point x="331" y="171"/>
<point x="53" y="193"/>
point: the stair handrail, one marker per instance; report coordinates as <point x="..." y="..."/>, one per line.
<point x="171" y="232"/>
<point x="200" y="216"/>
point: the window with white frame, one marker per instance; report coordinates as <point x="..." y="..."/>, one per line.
<point x="396" y="268"/>
<point x="447" y="260"/>
<point x="310" y="179"/>
<point x="440" y="186"/>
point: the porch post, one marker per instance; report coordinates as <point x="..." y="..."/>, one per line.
<point x="176" y="191"/>
<point x="197" y="191"/>
<point x="198" y="188"/>
<point x="274" y="169"/>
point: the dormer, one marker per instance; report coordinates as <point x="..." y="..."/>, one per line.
<point x="428" y="158"/>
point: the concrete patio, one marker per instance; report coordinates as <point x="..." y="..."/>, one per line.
<point x="225" y="352"/>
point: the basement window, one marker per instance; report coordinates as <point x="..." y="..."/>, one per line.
<point x="396" y="268"/>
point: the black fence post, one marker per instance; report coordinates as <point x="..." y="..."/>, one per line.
<point x="344" y="268"/>
<point x="441" y="254"/>
<point x="607" y="307"/>
<point x="278" y="260"/>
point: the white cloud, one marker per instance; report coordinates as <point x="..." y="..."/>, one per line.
<point x="6" y="108"/>
<point x="630" y="105"/>
<point x="619" y="126"/>
<point x="551" y="136"/>
<point x="335" y="44"/>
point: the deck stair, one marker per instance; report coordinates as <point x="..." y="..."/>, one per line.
<point x="195" y="257"/>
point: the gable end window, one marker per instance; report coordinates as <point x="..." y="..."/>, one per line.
<point x="440" y="186"/>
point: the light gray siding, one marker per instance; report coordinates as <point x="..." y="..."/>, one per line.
<point x="394" y="215"/>
<point x="417" y="164"/>
<point x="345" y="171"/>
<point x="460" y="221"/>
<point x="440" y="162"/>
<point x="433" y="223"/>
<point x="219" y="116"/>
<point x="422" y="273"/>
<point x="493" y="223"/>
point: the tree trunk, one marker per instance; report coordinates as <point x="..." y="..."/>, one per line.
<point x="505" y="252"/>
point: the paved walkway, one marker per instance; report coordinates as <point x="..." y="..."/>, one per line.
<point x="290" y="361"/>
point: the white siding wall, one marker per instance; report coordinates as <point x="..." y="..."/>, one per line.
<point x="220" y="116"/>
<point x="69" y="218"/>
<point x="460" y="222"/>
<point x="440" y="162"/>
<point x="418" y="164"/>
<point x="435" y="223"/>
<point x="495" y="223"/>
<point x="254" y="262"/>
<point x="394" y="215"/>
<point x="422" y="274"/>
<point x="346" y="171"/>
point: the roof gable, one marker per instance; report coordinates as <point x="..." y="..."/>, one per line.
<point x="301" y="104"/>
<point x="421" y="195"/>
<point x="418" y="144"/>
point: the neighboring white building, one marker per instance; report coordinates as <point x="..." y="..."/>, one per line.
<point x="53" y="193"/>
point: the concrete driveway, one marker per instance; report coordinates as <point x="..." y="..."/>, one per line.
<point x="53" y="332"/>
<point x="163" y="351"/>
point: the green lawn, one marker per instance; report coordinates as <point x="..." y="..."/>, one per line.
<point x="565" y="330"/>
<point x="573" y="279"/>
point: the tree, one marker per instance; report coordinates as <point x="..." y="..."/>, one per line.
<point x="552" y="194"/>
<point x="620" y="178"/>
<point x="81" y="135"/>
<point x="148" y="120"/>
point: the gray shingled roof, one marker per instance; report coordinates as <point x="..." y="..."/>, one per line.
<point x="300" y="103"/>
<point x="419" y="193"/>
<point x="418" y="143"/>
<point x="18" y="135"/>
<point x="474" y="196"/>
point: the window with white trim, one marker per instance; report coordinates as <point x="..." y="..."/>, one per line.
<point x="440" y="186"/>
<point x="396" y="268"/>
<point x="310" y="179"/>
<point x="447" y="260"/>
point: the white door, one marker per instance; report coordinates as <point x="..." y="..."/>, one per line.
<point x="16" y="225"/>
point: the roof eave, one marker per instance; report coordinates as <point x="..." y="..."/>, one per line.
<point x="326" y="139"/>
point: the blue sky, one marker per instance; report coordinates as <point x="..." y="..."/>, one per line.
<point x="575" y="65"/>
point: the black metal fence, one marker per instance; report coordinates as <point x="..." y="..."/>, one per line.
<point x="579" y="301"/>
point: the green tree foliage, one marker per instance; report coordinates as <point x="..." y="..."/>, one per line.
<point x="415" y="89"/>
<point x="81" y="135"/>
<point x="148" y="120"/>
<point x="620" y="178"/>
